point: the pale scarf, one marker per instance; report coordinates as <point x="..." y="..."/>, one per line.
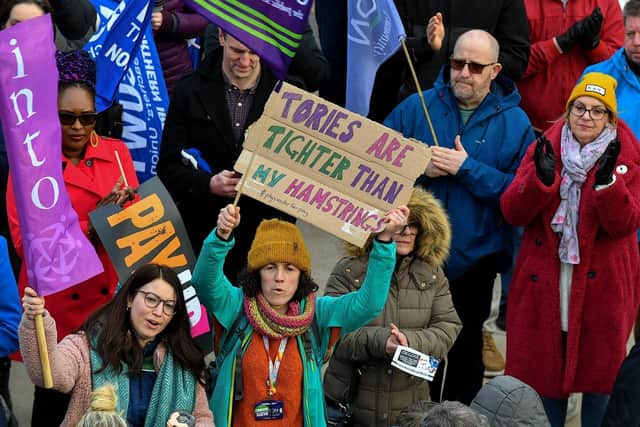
<point x="577" y="161"/>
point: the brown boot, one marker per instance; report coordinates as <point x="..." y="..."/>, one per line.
<point x="491" y="357"/>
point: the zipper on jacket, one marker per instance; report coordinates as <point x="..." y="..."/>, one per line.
<point x="305" y="379"/>
<point x="243" y="348"/>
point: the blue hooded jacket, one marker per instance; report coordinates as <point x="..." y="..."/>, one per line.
<point x="627" y="90"/>
<point x="495" y="137"/>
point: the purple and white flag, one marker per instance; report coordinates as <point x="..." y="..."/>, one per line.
<point x="56" y="252"/>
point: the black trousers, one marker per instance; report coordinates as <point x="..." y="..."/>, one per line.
<point x="49" y="407"/>
<point x="471" y="294"/>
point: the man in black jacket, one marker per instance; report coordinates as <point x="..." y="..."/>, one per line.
<point x="210" y="111"/>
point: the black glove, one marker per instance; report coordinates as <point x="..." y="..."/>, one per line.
<point x="606" y="163"/>
<point x="545" y="160"/>
<point x="592" y="26"/>
<point x="578" y="32"/>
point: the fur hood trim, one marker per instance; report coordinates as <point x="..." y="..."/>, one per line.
<point x="434" y="238"/>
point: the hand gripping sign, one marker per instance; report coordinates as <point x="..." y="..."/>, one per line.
<point x="327" y="165"/>
<point x="151" y="231"/>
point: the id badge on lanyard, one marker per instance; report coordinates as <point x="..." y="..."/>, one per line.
<point x="271" y="409"/>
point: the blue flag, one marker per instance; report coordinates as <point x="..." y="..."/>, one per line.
<point x="195" y="51"/>
<point x="115" y="43"/>
<point x="374" y="35"/>
<point x="141" y="91"/>
<point x="145" y="100"/>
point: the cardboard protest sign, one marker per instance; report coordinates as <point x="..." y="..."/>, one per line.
<point x="151" y="231"/>
<point x="327" y="165"/>
<point x="57" y="253"/>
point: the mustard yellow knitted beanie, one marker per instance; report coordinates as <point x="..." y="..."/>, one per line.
<point x="278" y="241"/>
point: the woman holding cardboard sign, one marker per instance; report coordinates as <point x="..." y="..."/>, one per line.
<point x="93" y="178"/>
<point x="272" y="332"/>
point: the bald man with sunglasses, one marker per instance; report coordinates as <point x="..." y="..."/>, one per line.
<point x="482" y="135"/>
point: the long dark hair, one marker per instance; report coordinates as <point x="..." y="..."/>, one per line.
<point x="111" y="334"/>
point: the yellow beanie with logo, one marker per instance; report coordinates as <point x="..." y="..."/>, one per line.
<point x="599" y="86"/>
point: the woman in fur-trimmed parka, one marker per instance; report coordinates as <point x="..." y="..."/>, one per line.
<point x="419" y="307"/>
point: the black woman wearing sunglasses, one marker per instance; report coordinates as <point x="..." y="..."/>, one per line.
<point x="92" y="179"/>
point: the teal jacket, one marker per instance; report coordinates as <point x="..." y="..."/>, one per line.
<point x="347" y="312"/>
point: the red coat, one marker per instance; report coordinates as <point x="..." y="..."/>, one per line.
<point x="87" y="183"/>
<point x="550" y="76"/>
<point x="604" y="292"/>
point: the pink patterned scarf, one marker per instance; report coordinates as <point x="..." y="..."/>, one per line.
<point x="577" y="161"/>
<point x="268" y="322"/>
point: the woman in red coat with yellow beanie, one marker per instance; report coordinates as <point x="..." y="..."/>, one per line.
<point x="574" y="297"/>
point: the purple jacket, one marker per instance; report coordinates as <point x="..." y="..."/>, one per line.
<point x="178" y="24"/>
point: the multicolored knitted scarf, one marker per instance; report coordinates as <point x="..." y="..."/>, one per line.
<point x="268" y="322"/>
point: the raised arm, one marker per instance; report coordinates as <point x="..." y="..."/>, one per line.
<point x="356" y="309"/>
<point x="213" y="288"/>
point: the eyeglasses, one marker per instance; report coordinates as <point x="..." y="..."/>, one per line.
<point x="68" y="119"/>
<point x="474" y="67"/>
<point x="152" y="300"/>
<point x="410" y="230"/>
<point x="596" y="113"/>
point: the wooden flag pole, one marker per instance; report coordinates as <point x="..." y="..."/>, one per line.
<point x="243" y="180"/>
<point x="124" y="177"/>
<point x="419" y="89"/>
<point x="44" y="355"/>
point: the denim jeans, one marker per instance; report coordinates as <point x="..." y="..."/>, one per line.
<point x="592" y="414"/>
